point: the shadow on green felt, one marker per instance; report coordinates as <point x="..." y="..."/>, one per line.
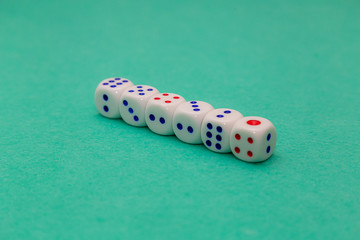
<point x="172" y="146"/>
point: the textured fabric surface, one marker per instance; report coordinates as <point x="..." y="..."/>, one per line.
<point x="68" y="173"/>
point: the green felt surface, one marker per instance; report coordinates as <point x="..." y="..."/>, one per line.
<point x="68" y="173"/>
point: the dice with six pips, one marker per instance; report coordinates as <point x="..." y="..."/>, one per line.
<point x="216" y="128"/>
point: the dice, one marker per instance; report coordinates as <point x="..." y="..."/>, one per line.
<point x="160" y="110"/>
<point x="253" y="139"/>
<point x="107" y="96"/>
<point x="187" y="120"/>
<point x="216" y="128"/>
<point x="133" y="103"/>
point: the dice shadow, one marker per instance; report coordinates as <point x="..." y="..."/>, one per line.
<point x="275" y="158"/>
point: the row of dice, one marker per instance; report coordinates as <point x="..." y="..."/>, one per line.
<point x="250" y="139"/>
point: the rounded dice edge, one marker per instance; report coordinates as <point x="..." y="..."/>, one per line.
<point x="115" y="96"/>
<point x="136" y="104"/>
<point x="220" y="121"/>
<point x="270" y="128"/>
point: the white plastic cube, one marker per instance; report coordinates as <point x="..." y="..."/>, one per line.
<point x="133" y="104"/>
<point x="107" y="96"/>
<point x="160" y="110"/>
<point x="216" y="128"/>
<point x="187" y="120"/>
<point x="253" y="139"/>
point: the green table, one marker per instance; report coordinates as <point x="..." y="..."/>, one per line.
<point x="68" y="173"/>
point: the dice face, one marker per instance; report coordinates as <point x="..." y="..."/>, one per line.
<point x="187" y="120"/>
<point x="160" y="110"/>
<point x="216" y="128"/>
<point x="253" y="139"/>
<point x="133" y="103"/>
<point x="107" y="96"/>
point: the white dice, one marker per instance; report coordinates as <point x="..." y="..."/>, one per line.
<point x="133" y="104"/>
<point x="216" y="128"/>
<point x="187" y="120"/>
<point x="253" y="139"/>
<point x="160" y="110"/>
<point x="107" y="96"/>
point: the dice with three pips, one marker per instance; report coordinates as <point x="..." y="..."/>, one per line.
<point x="251" y="139"/>
<point x="133" y="103"/>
